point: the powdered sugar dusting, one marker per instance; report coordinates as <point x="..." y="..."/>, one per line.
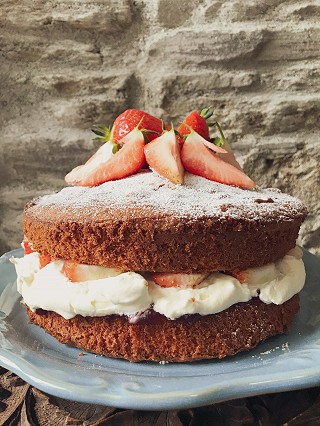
<point x="198" y="197"/>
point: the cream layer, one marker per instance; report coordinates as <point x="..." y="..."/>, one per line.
<point x="110" y="292"/>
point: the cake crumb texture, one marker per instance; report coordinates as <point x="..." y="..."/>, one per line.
<point x="144" y="223"/>
<point x="239" y="328"/>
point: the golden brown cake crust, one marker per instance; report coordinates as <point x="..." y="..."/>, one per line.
<point x="239" y="328"/>
<point x="146" y="223"/>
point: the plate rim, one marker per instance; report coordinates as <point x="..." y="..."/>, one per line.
<point x="304" y="378"/>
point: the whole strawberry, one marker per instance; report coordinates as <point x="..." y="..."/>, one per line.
<point x="132" y="118"/>
<point x="198" y="122"/>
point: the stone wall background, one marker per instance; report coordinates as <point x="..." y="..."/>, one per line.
<point x="65" y="65"/>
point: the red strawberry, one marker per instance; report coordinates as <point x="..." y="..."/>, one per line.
<point x="132" y="118"/>
<point x="27" y="246"/>
<point x="199" y="160"/>
<point x="198" y="122"/>
<point x="27" y="249"/>
<point x="163" y="156"/>
<point x="77" y="272"/>
<point x="105" y="165"/>
<point x="44" y="260"/>
<point x="178" y="280"/>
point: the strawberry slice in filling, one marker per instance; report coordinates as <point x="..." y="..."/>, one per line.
<point x="27" y="246"/>
<point x="178" y="280"/>
<point x="44" y="259"/>
<point x="77" y="272"/>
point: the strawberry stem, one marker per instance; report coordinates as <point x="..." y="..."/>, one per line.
<point x="145" y="137"/>
<point x="150" y="132"/>
<point x="220" y="129"/>
<point x="115" y="148"/>
<point x="179" y="134"/>
<point x="103" y="132"/>
<point x="219" y="141"/>
<point x="206" y="113"/>
<point x="146" y="132"/>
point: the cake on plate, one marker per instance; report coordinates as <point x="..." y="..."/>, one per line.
<point x="162" y="249"/>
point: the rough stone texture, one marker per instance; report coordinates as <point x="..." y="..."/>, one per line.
<point x="66" y="65"/>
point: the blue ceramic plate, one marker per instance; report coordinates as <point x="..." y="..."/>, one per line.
<point x="283" y="363"/>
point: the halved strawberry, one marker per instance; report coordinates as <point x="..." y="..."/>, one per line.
<point x="132" y="118"/>
<point x="178" y="280"/>
<point x="70" y="271"/>
<point x="27" y="246"/>
<point x="44" y="260"/>
<point x="194" y="137"/>
<point x="105" y="165"/>
<point x="198" y="122"/>
<point x="199" y="160"/>
<point x="77" y="272"/>
<point x="163" y="156"/>
<point x="228" y="156"/>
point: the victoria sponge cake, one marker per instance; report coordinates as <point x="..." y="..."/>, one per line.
<point x="182" y="261"/>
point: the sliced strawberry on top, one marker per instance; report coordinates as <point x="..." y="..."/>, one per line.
<point x="178" y="280"/>
<point x="197" y="158"/>
<point x="77" y="272"/>
<point x="132" y="118"/>
<point x="105" y="165"/>
<point x="228" y="156"/>
<point x="163" y="156"/>
<point x="194" y="137"/>
<point x="100" y="157"/>
<point x="198" y="122"/>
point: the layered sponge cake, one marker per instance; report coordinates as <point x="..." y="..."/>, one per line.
<point x="142" y="268"/>
<point x="143" y="226"/>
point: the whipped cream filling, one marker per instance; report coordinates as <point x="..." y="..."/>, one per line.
<point x="49" y="289"/>
<point x="129" y="293"/>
